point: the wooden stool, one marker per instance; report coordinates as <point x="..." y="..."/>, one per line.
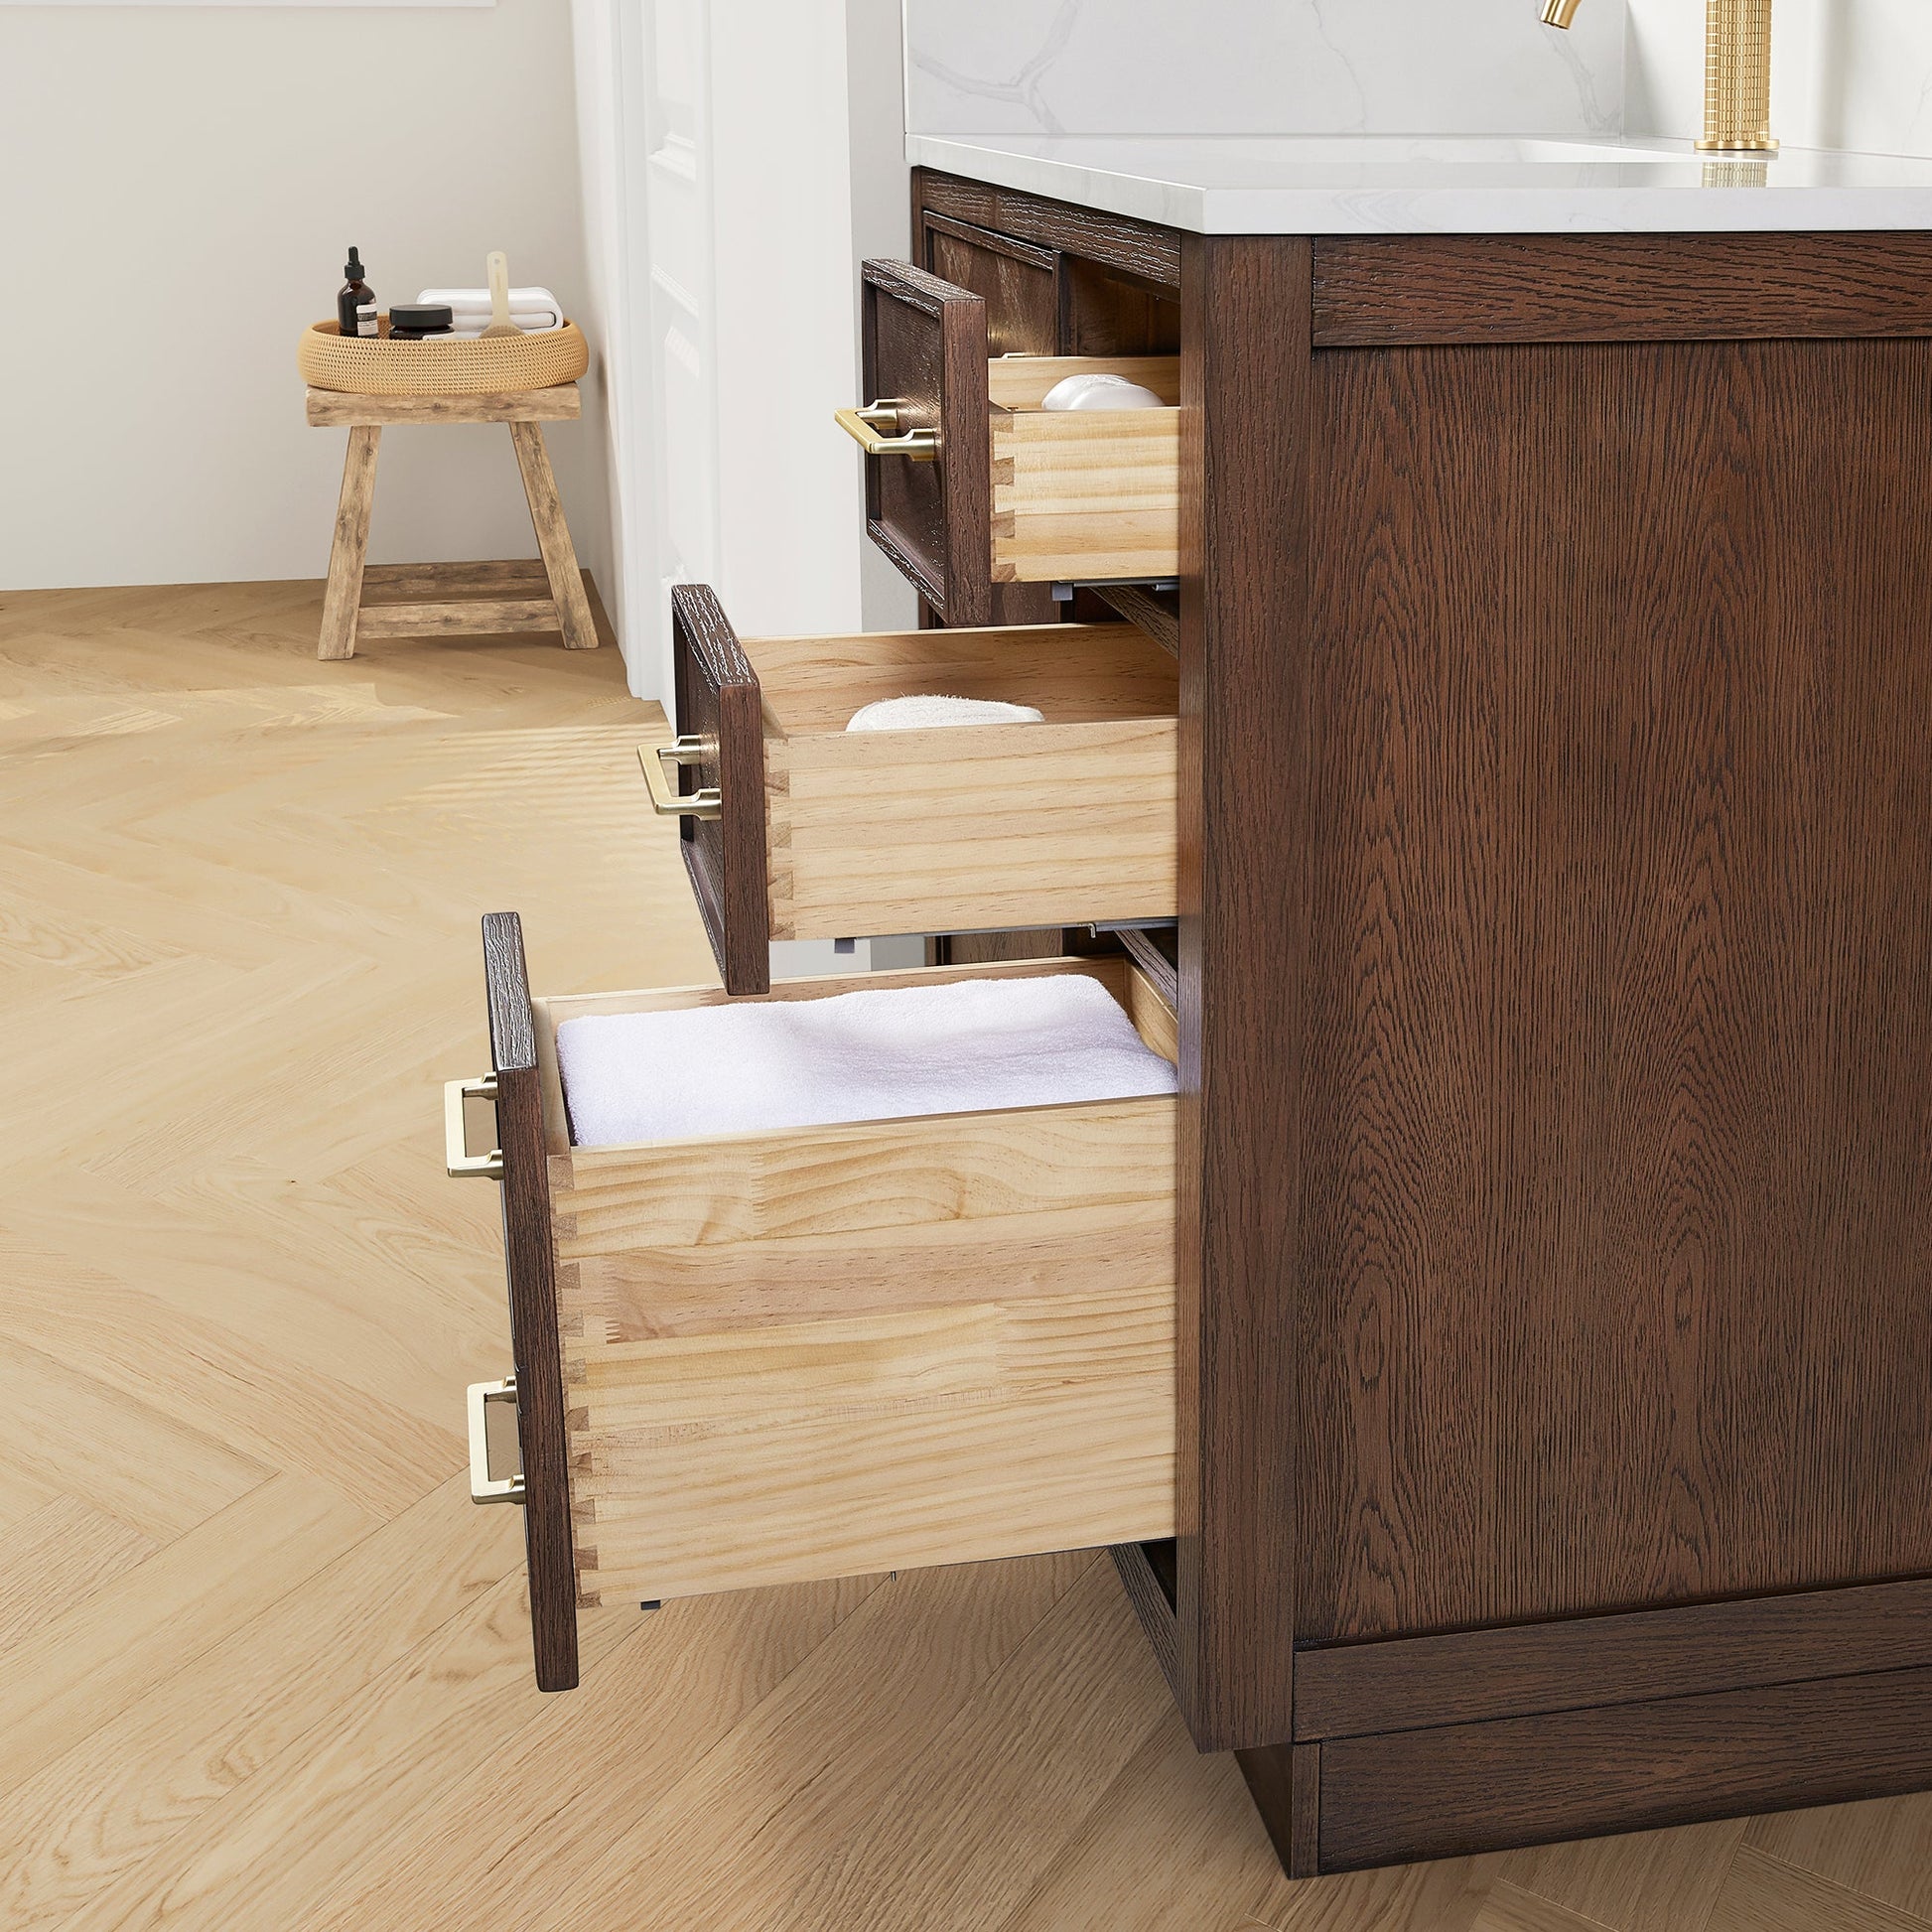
<point x="345" y="616"/>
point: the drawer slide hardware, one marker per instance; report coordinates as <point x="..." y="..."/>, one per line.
<point x="457" y="1156"/>
<point x="707" y="802"/>
<point x="876" y="430"/>
<point x="483" y="1487"/>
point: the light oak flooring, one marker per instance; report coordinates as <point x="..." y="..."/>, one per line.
<point x="261" y="1663"/>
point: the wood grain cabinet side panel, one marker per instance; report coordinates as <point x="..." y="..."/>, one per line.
<point x="1617" y="1130"/>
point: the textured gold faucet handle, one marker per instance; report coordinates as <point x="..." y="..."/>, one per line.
<point x="1558" y="13"/>
<point x="1737" y="77"/>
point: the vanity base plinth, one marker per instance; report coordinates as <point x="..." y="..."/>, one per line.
<point x="1399" y="1797"/>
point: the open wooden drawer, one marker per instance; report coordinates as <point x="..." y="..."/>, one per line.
<point x="796" y="828"/>
<point x="969" y="482"/>
<point x="764" y="1359"/>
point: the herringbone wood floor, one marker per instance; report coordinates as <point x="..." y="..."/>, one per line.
<point x="264" y="1666"/>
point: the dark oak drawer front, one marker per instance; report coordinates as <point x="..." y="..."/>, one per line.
<point x="818" y="832"/>
<point x="530" y="1263"/>
<point x="925" y="345"/>
<point x="718" y="703"/>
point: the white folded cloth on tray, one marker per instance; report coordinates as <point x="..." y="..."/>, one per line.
<point x="466" y="304"/>
<point x="473" y="325"/>
<point x="887" y="1055"/>
<point x="923" y="714"/>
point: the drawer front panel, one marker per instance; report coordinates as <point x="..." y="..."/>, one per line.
<point x="529" y="1261"/>
<point x="925" y="344"/>
<point x="717" y="698"/>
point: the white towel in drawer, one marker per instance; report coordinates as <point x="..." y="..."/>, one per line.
<point x="963" y="1048"/>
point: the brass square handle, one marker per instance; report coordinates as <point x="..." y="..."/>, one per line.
<point x="876" y="430"/>
<point x="707" y="802"/>
<point x="483" y="1487"/>
<point x="457" y="1157"/>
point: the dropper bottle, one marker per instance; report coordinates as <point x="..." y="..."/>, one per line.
<point x="355" y="300"/>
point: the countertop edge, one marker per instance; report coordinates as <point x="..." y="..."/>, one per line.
<point x="1446" y="208"/>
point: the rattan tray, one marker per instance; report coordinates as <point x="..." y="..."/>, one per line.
<point x="378" y="366"/>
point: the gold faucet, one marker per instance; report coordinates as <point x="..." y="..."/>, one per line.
<point x="1736" y="72"/>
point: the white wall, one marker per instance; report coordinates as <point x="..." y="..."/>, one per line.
<point x="1847" y="73"/>
<point x="739" y="157"/>
<point x="1264" y="66"/>
<point x="177" y="189"/>
<point x="882" y="214"/>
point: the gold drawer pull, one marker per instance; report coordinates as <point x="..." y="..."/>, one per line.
<point x="457" y="1156"/>
<point x="483" y="1487"/>
<point x="876" y="430"/>
<point x="706" y="803"/>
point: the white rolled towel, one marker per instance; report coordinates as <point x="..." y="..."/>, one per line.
<point x="891" y="1054"/>
<point x="925" y="714"/>
<point x="464" y="302"/>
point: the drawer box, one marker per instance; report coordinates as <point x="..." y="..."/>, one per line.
<point x="974" y="484"/>
<point x="797" y="829"/>
<point x="770" y="1357"/>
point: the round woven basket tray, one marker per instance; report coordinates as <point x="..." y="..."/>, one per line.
<point x="472" y="367"/>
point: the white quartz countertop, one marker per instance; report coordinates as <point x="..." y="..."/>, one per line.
<point x="1382" y="184"/>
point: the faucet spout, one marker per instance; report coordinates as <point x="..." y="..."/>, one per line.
<point x="1558" y="13"/>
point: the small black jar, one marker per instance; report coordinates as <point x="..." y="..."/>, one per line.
<point x="415" y="322"/>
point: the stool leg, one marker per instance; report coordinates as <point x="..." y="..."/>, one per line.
<point x="342" y="603"/>
<point x="553" y="537"/>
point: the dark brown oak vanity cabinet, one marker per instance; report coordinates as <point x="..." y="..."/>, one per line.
<point x="1505" y="1370"/>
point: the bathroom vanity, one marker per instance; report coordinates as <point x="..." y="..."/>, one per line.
<point x="1535" y="1271"/>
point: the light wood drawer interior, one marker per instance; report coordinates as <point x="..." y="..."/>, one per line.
<point x="977" y="826"/>
<point x="836" y="1350"/>
<point x="823" y="833"/>
<point x="1083" y="493"/>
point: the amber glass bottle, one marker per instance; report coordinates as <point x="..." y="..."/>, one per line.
<point x="356" y="301"/>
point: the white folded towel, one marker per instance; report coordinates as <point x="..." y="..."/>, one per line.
<point x="923" y="714"/>
<point x="1099" y="390"/>
<point x="463" y="303"/>
<point x="889" y="1054"/>
<point x="534" y="322"/>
